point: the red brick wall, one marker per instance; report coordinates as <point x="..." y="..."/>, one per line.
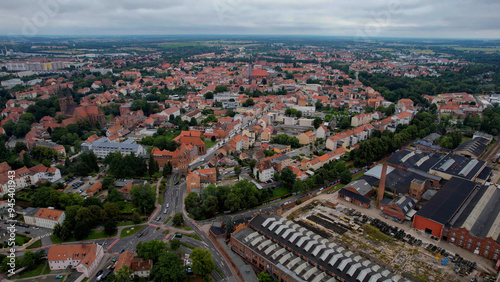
<point x="422" y="223"/>
<point x="394" y="211"/>
<point x="487" y="247"/>
<point x="353" y="201"/>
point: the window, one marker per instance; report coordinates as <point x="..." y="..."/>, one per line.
<point x="470" y="240"/>
<point x="460" y="243"/>
<point x="486" y="252"/>
<point x="468" y="246"/>
<point x="495" y="256"/>
<point x="461" y="236"/>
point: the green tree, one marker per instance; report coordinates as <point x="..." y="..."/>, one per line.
<point x="288" y="177"/>
<point x="178" y="219"/>
<point x="317" y="122"/>
<point x="252" y="164"/>
<point x="153" y="166"/>
<point x="169" y="268"/>
<point x="136" y="218"/>
<point x="175" y="244"/>
<point x="232" y="202"/>
<point x="110" y="228"/>
<point x="237" y="171"/>
<point x="143" y="198"/>
<point x="203" y="263"/>
<point x="210" y="206"/>
<point x="220" y="88"/>
<point x="248" y="103"/>
<point x="298" y="186"/>
<point x="345" y="177"/>
<point x="123" y="274"/>
<point x="110" y="212"/>
<point x="151" y="250"/>
<point x="264" y="277"/>
<point x="191" y="201"/>
<point x="167" y="169"/>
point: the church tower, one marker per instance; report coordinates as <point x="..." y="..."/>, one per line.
<point x="65" y="100"/>
<point x="62" y="101"/>
<point x="69" y="97"/>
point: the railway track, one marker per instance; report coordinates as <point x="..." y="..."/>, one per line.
<point x="490" y="154"/>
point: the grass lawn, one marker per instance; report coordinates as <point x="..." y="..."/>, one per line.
<point x="194" y="236"/>
<point x="132" y="232"/>
<point x="210" y="143"/>
<point x="125" y="223"/>
<point x="35" y="272"/>
<point x="36" y="244"/>
<point x="168" y="219"/>
<point x="47" y="270"/>
<point x="160" y="198"/>
<point x="92" y="236"/>
<point x="180" y="44"/>
<point x="128" y="208"/>
<point x="21" y="239"/>
<point x="279" y="192"/>
<point x="375" y="234"/>
<point x="184" y="226"/>
<point x="99" y="235"/>
<point x="187" y="245"/>
<point x="358" y="175"/>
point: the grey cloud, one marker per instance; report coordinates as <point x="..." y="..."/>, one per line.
<point x="423" y="18"/>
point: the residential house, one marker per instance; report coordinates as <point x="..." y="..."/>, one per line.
<point x="48" y="217"/>
<point x="267" y="134"/>
<point x="125" y="191"/>
<point x="236" y="143"/>
<point x="361" y="119"/>
<point x="322" y="132"/>
<point x="61" y="151"/>
<point x="264" y="171"/>
<point x="94" y="189"/>
<point x="85" y="258"/>
<point x="306" y="138"/>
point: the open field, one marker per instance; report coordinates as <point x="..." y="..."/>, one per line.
<point x="180" y="44"/>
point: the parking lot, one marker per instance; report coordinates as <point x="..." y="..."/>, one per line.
<point x="22" y="228"/>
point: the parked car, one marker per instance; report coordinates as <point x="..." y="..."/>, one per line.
<point x="59" y="276"/>
<point x="122" y="250"/>
<point x="99" y="272"/>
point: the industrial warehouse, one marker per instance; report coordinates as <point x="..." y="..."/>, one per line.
<point x="291" y="252"/>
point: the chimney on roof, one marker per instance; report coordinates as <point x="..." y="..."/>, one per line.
<point x="381" y="186"/>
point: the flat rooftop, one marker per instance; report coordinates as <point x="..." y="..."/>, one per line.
<point x="459" y="166"/>
<point x="448" y="200"/>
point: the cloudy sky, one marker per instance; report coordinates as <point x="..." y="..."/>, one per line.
<point x="368" y="18"/>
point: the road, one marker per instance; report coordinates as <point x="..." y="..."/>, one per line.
<point x="217" y="257"/>
<point x="174" y="195"/>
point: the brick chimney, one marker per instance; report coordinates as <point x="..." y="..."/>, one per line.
<point x="381" y="186"/>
